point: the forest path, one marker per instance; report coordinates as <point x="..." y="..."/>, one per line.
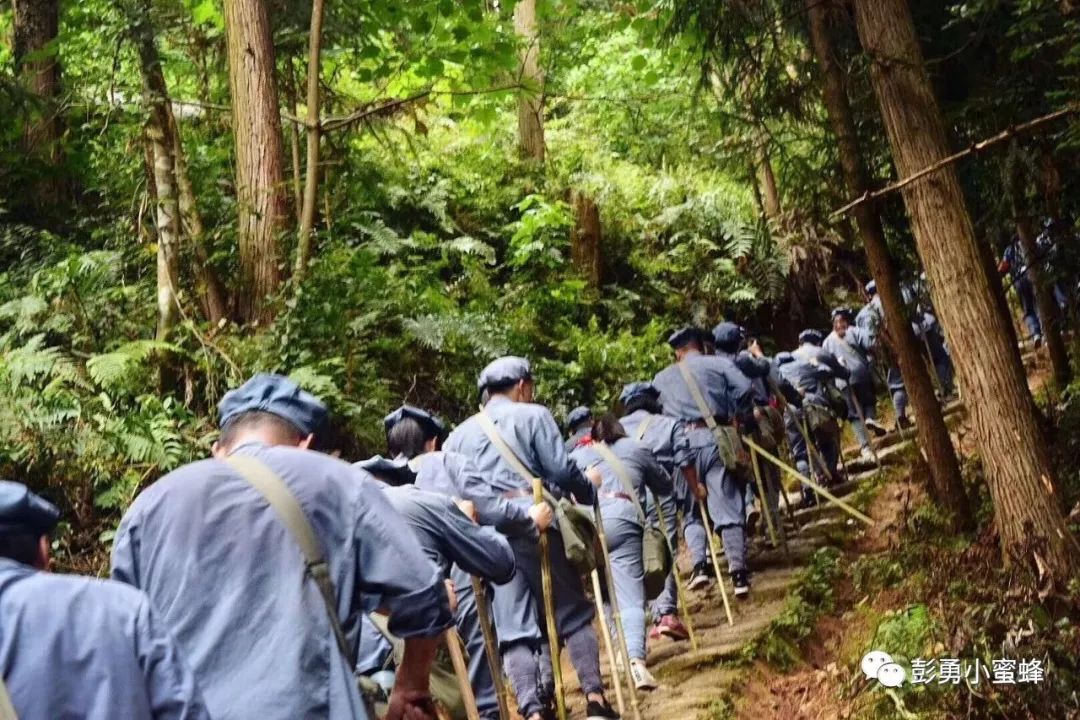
<point x="690" y="680"/>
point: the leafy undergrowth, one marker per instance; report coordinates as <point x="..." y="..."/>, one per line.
<point x="916" y="591"/>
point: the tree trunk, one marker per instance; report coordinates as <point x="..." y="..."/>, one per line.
<point x="585" y="238"/>
<point x="1011" y="445"/>
<point x="36" y="24"/>
<point x="156" y="98"/>
<point x="311" y="183"/>
<point x="167" y="212"/>
<point x="770" y="195"/>
<point x="946" y="481"/>
<point x="531" y="96"/>
<point x="1049" y="315"/>
<point x="261" y="194"/>
<point x="294" y="143"/>
<point x="210" y="289"/>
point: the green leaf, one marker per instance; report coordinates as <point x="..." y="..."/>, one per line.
<point x="638" y="62"/>
<point x="206" y="13"/>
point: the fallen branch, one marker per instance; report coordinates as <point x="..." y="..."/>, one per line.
<point x="1005" y="134"/>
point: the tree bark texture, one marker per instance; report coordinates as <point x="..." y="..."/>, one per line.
<point x="36" y="24"/>
<point x="531" y="96"/>
<point x="261" y="194"/>
<point x="946" y="481"/>
<point x="988" y="364"/>
<point x="585" y="238"/>
<point x="158" y="136"/>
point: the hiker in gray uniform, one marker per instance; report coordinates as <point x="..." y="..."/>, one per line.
<point x="766" y="383"/>
<point x="853" y="348"/>
<point x="643" y="420"/>
<point x="511" y="423"/>
<point x="870" y="319"/>
<point x="706" y="391"/>
<point x="728" y="340"/>
<point x="811" y="370"/>
<point x="267" y="633"/>
<point x="413" y="434"/>
<point x="449" y="539"/>
<point x="79" y="647"/>
<point x="630" y="473"/>
<point x="579" y="425"/>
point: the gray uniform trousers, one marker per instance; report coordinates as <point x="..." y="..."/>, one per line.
<point x="726" y="500"/>
<point x="628" y="576"/>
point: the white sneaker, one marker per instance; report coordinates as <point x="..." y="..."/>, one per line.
<point x="643" y="679"/>
<point x="867" y="454"/>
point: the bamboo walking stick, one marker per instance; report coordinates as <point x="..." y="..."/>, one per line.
<point x="715" y="561"/>
<point x="811" y="484"/>
<point x="605" y="634"/>
<point x="461" y="670"/>
<point x="491" y="646"/>
<point x="758" y="476"/>
<point x="613" y="601"/>
<point x="680" y="592"/>
<point x="549" y="608"/>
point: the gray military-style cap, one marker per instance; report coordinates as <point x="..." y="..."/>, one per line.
<point x="277" y="395"/>
<point x="504" y="370"/>
<point x="24" y="512"/>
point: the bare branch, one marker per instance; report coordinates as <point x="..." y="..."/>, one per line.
<point x="974" y="148"/>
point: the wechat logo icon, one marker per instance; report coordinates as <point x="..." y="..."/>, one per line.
<point x="878" y="665"/>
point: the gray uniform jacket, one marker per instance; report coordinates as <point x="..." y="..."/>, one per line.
<point x="75" y="647"/>
<point x="641" y="467"/>
<point x="664" y="435"/>
<point x="453" y="474"/>
<point x="870" y="318"/>
<point x="448" y="537"/>
<point x="853" y="351"/>
<point x="230" y="581"/>
<point x="531" y="432"/>
<point x="824" y="367"/>
<point x="726" y="390"/>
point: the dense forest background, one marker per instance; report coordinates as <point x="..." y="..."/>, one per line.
<point x="411" y="189"/>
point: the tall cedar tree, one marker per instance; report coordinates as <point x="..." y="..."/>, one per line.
<point x="261" y="193"/>
<point x="1013" y="451"/>
<point x="36" y="23"/>
<point x="531" y="96"/>
<point x="946" y="482"/>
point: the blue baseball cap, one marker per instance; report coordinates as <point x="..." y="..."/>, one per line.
<point x="277" y="395"/>
<point x="22" y="511"/>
